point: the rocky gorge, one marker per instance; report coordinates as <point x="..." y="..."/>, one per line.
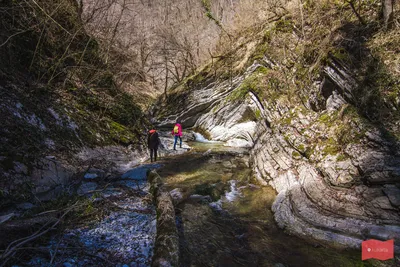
<point x="291" y="152"/>
<point x="336" y="173"/>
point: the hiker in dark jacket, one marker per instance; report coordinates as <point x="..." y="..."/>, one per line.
<point x="153" y="141"/>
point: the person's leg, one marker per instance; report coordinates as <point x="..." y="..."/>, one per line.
<point x="176" y="140"/>
<point x="151" y="155"/>
<point x="155" y="154"/>
<point x="180" y="139"/>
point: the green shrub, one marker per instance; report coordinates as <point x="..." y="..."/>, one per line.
<point x="284" y="25"/>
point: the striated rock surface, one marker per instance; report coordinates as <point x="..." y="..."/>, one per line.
<point x="326" y="200"/>
<point x="213" y="109"/>
<point x="320" y="113"/>
<point x="336" y="174"/>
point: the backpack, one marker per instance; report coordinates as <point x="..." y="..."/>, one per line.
<point x="176" y="129"/>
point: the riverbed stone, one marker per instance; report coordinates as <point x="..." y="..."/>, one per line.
<point x="140" y="173"/>
<point x="176" y="195"/>
<point x="86" y="188"/>
<point x="94" y="173"/>
<point x="200" y="198"/>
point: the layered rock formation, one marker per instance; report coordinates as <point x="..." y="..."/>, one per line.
<point x="212" y="109"/>
<point x="336" y="174"/>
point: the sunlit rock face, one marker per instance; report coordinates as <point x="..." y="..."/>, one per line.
<point x="212" y="108"/>
<point x="327" y="199"/>
<point x="336" y="175"/>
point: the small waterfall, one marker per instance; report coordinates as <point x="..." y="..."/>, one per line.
<point x="200" y="138"/>
<point x="234" y="192"/>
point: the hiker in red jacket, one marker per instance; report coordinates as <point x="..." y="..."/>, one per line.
<point x="177" y="132"/>
<point x="153" y="141"/>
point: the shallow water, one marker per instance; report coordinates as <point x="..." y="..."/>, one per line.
<point x="225" y="219"/>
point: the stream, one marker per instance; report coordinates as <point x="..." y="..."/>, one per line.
<point x="223" y="217"/>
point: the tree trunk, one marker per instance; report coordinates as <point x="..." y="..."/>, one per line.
<point x="387" y="12"/>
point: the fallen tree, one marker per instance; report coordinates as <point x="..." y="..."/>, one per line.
<point x="166" y="250"/>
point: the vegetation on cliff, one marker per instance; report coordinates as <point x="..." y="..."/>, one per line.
<point x="296" y="50"/>
<point x="58" y="92"/>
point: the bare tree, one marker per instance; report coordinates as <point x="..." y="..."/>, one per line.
<point x="388" y="13"/>
<point x="167" y="40"/>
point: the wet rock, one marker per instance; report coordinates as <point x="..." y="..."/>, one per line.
<point x="86" y="188"/>
<point x="253" y="186"/>
<point x="140" y="173"/>
<point x="167" y="145"/>
<point x="217" y="190"/>
<point x="217" y="205"/>
<point x="176" y="195"/>
<point x="111" y="192"/>
<point x="189" y="136"/>
<point x="93" y="173"/>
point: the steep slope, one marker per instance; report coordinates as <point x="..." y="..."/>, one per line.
<point x="316" y="96"/>
<point x="164" y="41"/>
<point x="57" y="97"/>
